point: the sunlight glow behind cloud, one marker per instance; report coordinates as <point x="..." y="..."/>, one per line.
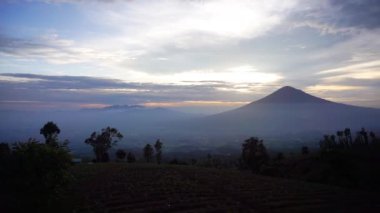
<point x="225" y="50"/>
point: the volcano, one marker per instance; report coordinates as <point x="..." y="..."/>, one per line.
<point x="291" y="111"/>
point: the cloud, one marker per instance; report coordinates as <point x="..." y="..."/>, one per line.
<point x="345" y="17"/>
<point x="329" y="88"/>
<point x="76" y="92"/>
<point x="54" y="50"/>
<point x="192" y="37"/>
<point x="141" y="29"/>
<point x="359" y="13"/>
<point x="196" y="103"/>
<point x="188" y="50"/>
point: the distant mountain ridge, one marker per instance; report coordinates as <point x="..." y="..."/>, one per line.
<point x="117" y="107"/>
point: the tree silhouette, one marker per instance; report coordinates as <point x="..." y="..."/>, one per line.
<point x="148" y="153"/>
<point x="120" y="154"/>
<point x="131" y="157"/>
<point x="305" y="150"/>
<point x="50" y="131"/>
<point x="373" y="137"/>
<point x="363" y="133"/>
<point x="4" y="150"/>
<point x="254" y="153"/>
<point x="102" y="142"/>
<point x="279" y="156"/>
<point x="333" y="141"/>
<point x="340" y="137"/>
<point x="347" y="133"/>
<point x="158" y="148"/>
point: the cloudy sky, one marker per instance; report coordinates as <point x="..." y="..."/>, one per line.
<point x="208" y="55"/>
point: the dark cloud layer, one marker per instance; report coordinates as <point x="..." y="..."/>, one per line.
<point x="81" y="90"/>
<point x="16" y="46"/>
<point x="361" y="13"/>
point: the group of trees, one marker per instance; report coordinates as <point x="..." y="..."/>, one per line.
<point x="102" y="142"/>
<point x="148" y="152"/>
<point x="121" y="154"/>
<point x="33" y="174"/>
<point x="344" y="140"/>
<point x="254" y="154"/>
<point x="108" y="137"/>
<point x="343" y="159"/>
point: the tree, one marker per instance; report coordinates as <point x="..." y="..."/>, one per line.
<point x="120" y="154"/>
<point x="50" y="131"/>
<point x="158" y="148"/>
<point x="33" y="175"/>
<point x="373" y="136"/>
<point x="131" y="157"/>
<point x="340" y="137"/>
<point x="364" y="135"/>
<point x="305" y="150"/>
<point x="347" y="133"/>
<point x="148" y="153"/>
<point x="102" y="142"/>
<point x="254" y="154"/>
<point x="279" y="156"/>
<point x="4" y="150"/>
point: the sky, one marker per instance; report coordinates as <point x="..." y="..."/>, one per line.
<point x="192" y="55"/>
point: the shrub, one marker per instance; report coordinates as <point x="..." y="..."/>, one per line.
<point x="120" y="154"/>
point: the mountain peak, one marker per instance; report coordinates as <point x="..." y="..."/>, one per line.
<point x="288" y="88"/>
<point x="288" y="94"/>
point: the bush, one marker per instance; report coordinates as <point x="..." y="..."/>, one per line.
<point x="120" y="154"/>
<point x="33" y="175"/>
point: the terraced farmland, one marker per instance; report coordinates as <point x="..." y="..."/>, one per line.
<point x="151" y="188"/>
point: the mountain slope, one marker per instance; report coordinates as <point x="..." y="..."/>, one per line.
<point x="291" y="111"/>
<point x="289" y="94"/>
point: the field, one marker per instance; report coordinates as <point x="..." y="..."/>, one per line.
<point x="121" y="187"/>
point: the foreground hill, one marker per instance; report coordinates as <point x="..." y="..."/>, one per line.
<point x="291" y="111"/>
<point x="151" y="188"/>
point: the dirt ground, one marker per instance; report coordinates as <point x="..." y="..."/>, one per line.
<point x="122" y="187"/>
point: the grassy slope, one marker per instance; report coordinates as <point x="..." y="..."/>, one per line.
<point x="121" y="187"/>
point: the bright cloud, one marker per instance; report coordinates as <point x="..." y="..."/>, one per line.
<point x="174" y="51"/>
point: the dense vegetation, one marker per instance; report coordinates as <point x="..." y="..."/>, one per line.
<point x="341" y="160"/>
<point x="33" y="174"/>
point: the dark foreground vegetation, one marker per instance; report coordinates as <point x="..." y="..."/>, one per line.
<point x="346" y="160"/>
<point x="142" y="187"/>
<point x="42" y="176"/>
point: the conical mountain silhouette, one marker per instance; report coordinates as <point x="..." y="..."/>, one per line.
<point x="291" y="111"/>
<point x="289" y="94"/>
